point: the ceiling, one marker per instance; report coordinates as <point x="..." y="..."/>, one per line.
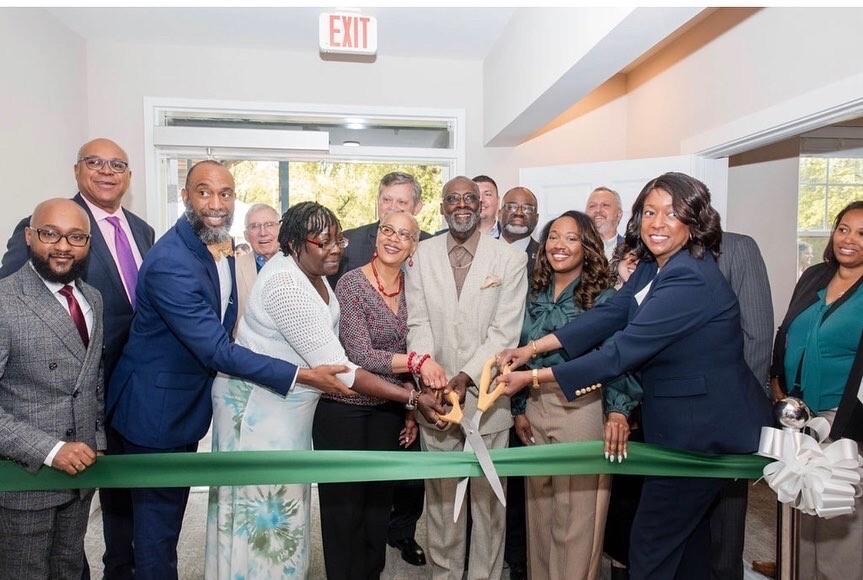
<point x="451" y="33"/>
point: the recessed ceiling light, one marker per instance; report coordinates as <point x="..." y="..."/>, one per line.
<point x="351" y="143"/>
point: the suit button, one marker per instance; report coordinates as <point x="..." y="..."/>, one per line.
<point x="213" y="374"/>
<point x="75" y="394"/>
<point x="69" y="432"/>
<point x="52" y="366"/>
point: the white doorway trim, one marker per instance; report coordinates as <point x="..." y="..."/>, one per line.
<point x="826" y="105"/>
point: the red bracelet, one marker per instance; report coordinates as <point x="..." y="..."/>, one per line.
<point x="420" y="364"/>
<point x="410" y="362"/>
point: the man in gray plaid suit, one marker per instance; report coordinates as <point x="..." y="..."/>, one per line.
<point x="51" y="403"/>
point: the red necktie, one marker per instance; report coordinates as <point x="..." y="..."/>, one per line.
<point x="76" y="314"/>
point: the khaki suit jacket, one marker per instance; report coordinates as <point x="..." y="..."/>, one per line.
<point x="463" y="332"/>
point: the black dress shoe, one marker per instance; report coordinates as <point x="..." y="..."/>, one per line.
<point x="412" y="553"/>
<point x="518" y="571"/>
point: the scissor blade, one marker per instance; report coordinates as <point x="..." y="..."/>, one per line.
<point x="485" y="462"/>
<point x="460" y="491"/>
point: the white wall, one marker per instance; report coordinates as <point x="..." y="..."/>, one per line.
<point x="762" y="193"/>
<point x="121" y="75"/>
<point x="43" y="111"/>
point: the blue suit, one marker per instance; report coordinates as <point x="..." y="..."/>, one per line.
<point x="685" y="346"/>
<point x="159" y="398"/>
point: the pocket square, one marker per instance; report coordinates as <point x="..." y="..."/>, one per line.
<point x="490" y="282"/>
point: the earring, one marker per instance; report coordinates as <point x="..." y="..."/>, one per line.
<point x="374" y="254"/>
<point x="411" y="261"/>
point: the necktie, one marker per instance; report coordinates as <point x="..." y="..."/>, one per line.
<point x="128" y="266"/>
<point x="76" y="314"/>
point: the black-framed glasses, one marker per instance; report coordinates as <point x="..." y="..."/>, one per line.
<point x="390" y="231"/>
<point x="456" y="198"/>
<point x="526" y="208"/>
<point x="52" y="237"/>
<point x="96" y="163"/>
<point x="327" y="246"/>
<point x="254" y="227"/>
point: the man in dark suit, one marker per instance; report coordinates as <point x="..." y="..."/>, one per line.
<point x="119" y="240"/>
<point x="51" y="406"/>
<point x="518" y="217"/>
<point x="396" y="191"/>
<point x="605" y="209"/>
<point x="159" y="398"/>
<point x="742" y="265"/>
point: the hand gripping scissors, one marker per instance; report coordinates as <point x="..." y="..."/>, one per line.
<point x="473" y="442"/>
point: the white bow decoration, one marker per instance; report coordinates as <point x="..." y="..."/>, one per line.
<point x="814" y="477"/>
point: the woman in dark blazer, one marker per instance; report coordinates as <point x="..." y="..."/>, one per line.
<point x="818" y="355"/>
<point x="676" y="327"/>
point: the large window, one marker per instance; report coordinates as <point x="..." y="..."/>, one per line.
<point x="281" y="155"/>
<point x="827" y="184"/>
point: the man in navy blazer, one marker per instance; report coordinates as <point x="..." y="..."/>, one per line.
<point x="159" y="398"/>
<point x="103" y="176"/>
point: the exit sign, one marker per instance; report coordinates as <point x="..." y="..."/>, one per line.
<point x="347" y="33"/>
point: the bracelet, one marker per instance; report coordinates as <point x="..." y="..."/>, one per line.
<point x="535" y="376"/>
<point x="533" y="346"/>
<point x="410" y="362"/>
<point x="422" y="361"/>
<point x="412" y="401"/>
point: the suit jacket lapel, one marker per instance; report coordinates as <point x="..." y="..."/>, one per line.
<point x="139" y="234"/>
<point x="47" y="308"/>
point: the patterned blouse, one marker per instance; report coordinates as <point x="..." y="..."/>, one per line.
<point x="370" y="332"/>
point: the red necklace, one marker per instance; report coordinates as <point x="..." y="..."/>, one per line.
<point x="381" y="286"/>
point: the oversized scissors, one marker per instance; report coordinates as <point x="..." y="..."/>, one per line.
<point x="473" y="442"/>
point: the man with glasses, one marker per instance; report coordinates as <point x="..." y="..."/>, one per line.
<point x="396" y="191"/>
<point x="51" y="407"/>
<point x="120" y="239"/>
<point x="262" y="233"/>
<point x="518" y="218"/>
<point x="465" y="297"/>
<point x="159" y="398"/>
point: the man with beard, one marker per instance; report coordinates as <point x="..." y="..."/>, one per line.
<point x="605" y="209"/>
<point x="465" y="297"/>
<point x="119" y="240"/>
<point x="518" y="217"/>
<point x="159" y="399"/>
<point x="51" y="407"/>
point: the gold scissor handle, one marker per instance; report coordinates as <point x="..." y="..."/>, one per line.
<point x="486" y="398"/>
<point x="455" y="415"/>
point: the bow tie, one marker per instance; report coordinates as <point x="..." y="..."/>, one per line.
<point x="221" y="249"/>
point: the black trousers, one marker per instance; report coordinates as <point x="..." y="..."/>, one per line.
<point x="728" y="530"/>
<point x="408" y="499"/>
<point x="515" y="548"/>
<point x="355" y="516"/>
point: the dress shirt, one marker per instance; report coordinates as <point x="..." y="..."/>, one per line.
<point x="225" y="281"/>
<point x="460" y="260"/>
<point x="100" y="215"/>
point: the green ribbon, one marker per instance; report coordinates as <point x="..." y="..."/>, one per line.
<point x="276" y="467"/>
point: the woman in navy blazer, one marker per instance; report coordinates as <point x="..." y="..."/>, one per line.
<point x="676" y="327"/>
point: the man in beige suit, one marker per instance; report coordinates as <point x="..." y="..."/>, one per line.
<point x="465" y="296"/>
<point x="262" y="233"/>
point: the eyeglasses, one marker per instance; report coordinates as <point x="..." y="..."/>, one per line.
<point x="327" y="246"/>
<point x="526" y="209"/>
<point x="389" y="231"/>
<point x="262" y="226"/>
<point x="96" y="163"/>
<point x="52" y="237"/>
<point x="456" y="198"/>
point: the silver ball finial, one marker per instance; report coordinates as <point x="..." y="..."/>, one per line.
<point x="791" y="413"/>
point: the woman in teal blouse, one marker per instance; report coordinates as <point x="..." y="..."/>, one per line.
<point x="818" y="355"/>
<point x="566" y="515"/>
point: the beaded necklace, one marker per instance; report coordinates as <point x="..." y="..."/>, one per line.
<point x="381" y="286"/>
